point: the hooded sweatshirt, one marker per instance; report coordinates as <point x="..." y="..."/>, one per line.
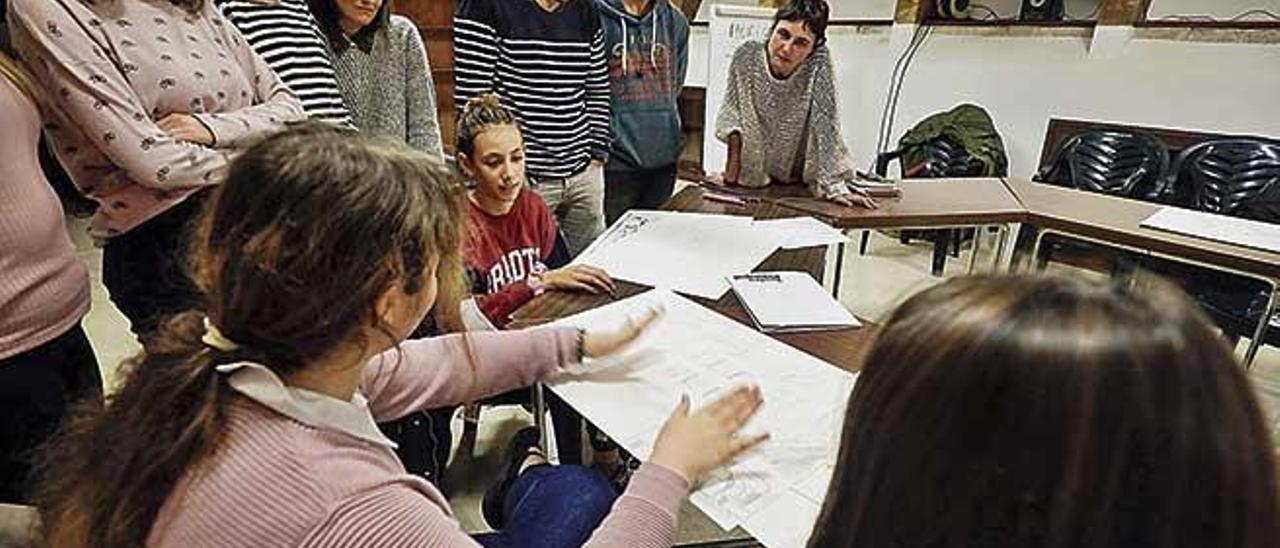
<point x="648" y="57"/>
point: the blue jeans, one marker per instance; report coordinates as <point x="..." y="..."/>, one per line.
<point x="552" y="507"/>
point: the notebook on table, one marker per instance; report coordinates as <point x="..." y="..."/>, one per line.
<point x="789" y="301"/>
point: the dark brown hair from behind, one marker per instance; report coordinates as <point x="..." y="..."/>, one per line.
<point x="310" y="227"/>
<point x="1016" y="412"/>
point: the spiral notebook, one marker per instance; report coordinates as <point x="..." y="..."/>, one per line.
<point x="789" y="301"/>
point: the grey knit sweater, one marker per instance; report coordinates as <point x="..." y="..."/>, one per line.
<point x="790" y="129"/>
<point x="388" y="86"/>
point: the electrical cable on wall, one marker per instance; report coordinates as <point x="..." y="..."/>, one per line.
<point x="896" y="80"/>
<point x="990" y="14"/>
<point x="1194" y="18"/>
<point x="881" y="140"/>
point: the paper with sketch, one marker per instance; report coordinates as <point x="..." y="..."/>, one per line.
<point x="798" y="232"/>
<point x="1219" y="228"/>
<point x="782" y="301"/>
<point x="696" y="351"/>
<point x="692" y="253"/>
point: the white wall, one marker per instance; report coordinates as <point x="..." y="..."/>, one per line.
<point x="840" y="9"/>
<point x="1023" y="81"/>
<point x="1222" y="9"/>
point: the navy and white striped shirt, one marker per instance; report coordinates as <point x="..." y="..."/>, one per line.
<point x="286" y="36"/>
<point x="549" y="68"/>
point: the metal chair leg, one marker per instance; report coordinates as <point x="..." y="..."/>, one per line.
<point x="862" y="247"/>
<point x="540" y="418"/>
<point x="839" y="274"/>
<point x="1260" y="334"/>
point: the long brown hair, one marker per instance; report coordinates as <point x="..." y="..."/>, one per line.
<point x="329" y="18"/>
<point x="310" y="227"/>
<point x="1051" y="413"/>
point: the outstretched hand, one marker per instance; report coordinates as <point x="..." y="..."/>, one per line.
<point x="694" y="444"/>
<point x="596" y="344"/>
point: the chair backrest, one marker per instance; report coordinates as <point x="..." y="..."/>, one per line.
<point x="1131" y="164"/>
<point x="942" y="158"/>
<point x="1239" y="177"/>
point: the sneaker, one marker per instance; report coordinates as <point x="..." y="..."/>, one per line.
<point x="522" y="446"/>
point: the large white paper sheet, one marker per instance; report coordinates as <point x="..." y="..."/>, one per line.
<point x="798" y="232"/>
<point x="692" y="253"/>
<point x="1219" y="228"/>
<point x="699" y="352"/>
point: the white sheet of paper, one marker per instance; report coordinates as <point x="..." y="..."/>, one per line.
<point x="692" y="253"/>
<point x="1219" y="228"/>
<point x="790" y="300"/>
<point x="696" y="351"/>
<point x="798" y="232"/>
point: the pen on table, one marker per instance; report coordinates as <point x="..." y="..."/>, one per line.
<point x="723" y="198"/>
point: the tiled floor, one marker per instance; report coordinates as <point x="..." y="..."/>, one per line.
<point x="872" y="286"/>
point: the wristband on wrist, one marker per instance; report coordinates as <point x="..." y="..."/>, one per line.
<point x="534" y="281"/>
<point x="582" y="343"/>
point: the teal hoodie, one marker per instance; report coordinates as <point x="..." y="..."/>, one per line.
<point x="648" y="56"/>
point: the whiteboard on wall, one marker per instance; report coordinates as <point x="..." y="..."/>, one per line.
<point x="730" y="26"/>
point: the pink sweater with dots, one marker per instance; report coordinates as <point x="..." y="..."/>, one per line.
<point x="108" y="71"/>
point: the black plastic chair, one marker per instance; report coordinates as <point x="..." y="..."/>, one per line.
<point x="1111" y="162"/>
<point x="1132" y="165"/>
<point x="1241" y="178"/>
<point x="1237" y="177"/>
<point x="942" y="158"/>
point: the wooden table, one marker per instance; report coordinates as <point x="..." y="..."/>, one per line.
<point x="843" y="348"/>
<point x="1116" y="222"/>
<point x="924" y="203"/>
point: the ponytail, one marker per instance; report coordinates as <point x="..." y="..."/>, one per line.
<point x="104" y="477"/>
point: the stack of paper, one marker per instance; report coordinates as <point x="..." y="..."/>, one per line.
<point x="693" y="253"/>
<point x="789" y="301"/>
<point x="692" y="350"/>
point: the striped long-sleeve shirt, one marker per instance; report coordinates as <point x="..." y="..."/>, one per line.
<point x="549" y="67"/>
<point x="288" y="38"/>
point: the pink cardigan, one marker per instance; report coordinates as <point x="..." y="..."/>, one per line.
<point x="301" y="469"/>
<point x="44" y="288"/>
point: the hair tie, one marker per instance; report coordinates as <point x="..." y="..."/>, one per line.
<point x="214" y="339"/>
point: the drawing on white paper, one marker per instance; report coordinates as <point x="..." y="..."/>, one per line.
<point x="698" y="251"/>
<point x="696" y="351"/>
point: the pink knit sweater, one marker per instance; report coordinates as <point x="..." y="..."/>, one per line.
<point x="44" y="288"/>
<point x="301" y="469"/>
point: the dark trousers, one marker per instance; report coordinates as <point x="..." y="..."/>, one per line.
<point x="37" y="389"/>
<point x="145" y="269"/>
<point x="552" y="507"/>
<point x="636" y="189"/>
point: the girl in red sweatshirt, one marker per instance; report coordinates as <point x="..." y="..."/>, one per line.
<point x="514" y="251"/>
